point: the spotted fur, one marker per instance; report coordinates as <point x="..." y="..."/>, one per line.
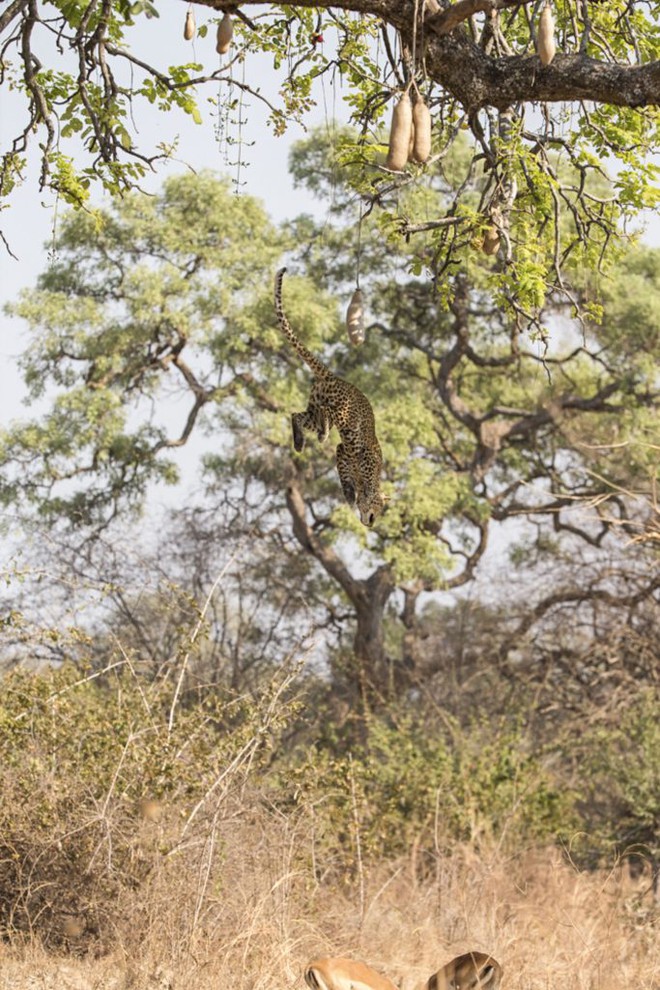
<point x="334" y="402"/>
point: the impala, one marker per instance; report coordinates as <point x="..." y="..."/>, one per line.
<point x="471" y="971"/>
<point x="344" y="974"/>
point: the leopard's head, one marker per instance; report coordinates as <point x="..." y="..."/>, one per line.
<point x="370" y="506"/>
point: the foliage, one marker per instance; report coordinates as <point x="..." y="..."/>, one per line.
<point x="419" y="785"/>
<point x="130" y="295"/>
<point x="81" y="753"/>
<point x="82" y="747"/>
<point x="621" y="780"/>
<point x="88" y="760"/>
<point x="171" y="297"/>
<point x="85" y="77"/>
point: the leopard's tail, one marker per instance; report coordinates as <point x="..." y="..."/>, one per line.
<point x="317" y="366"/>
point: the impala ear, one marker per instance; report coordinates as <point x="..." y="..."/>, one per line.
<point x="486" y="975"/>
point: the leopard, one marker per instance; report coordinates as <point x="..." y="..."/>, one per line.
<point x="336" y="402"/>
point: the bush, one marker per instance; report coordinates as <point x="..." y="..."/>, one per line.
<point x="620" y="766"/>
<point x="101" y="778"/>
<point x="118" y="788"/>
<point x="411" y="787"/>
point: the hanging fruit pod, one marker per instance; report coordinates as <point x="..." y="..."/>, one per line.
<point x="545" y="39"/>
<point x="224" y="35"/>
<point x="491" y="242"/>
<point x="189" y="26"/>
<point x="355" y="318"/>
<point x="400" y="132"/>
<point x="421" y="147"/>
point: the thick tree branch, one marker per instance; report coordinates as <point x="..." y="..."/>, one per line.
<point x="371" y="677"/>
<point x="454" y="15"/>
<point x="478" y="79"/>
<point x="10" y="13"/>
<point x="310" y="542"/>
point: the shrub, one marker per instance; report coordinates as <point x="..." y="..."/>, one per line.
<point x="412" y="786"/>
<point x="102" y="777"/>
<point x="620" y="768"/>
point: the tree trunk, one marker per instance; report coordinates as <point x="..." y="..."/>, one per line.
<point x="369" y="673"/>
<point x="374" y="678"/>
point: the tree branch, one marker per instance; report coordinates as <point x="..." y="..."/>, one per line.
<point x="10" y="13"/>
<point x="566" y="596"/>
<point x="310" y="542"/>
<point x="478" y="79"/>
<point x="450" y="18"/>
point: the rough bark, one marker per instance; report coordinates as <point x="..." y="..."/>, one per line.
<point x="369" y="597"/>
<point x="477" y="79"/>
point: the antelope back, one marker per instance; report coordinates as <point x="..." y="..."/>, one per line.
<point x="344" y="974"/>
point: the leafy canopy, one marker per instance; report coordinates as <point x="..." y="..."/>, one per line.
<point x="540" y="138"/>
<point x="159" y="311"/>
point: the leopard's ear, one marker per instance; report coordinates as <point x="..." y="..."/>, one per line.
<point x="386" y="499"/>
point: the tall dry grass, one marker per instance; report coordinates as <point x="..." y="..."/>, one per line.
<point x="246" y="899"/>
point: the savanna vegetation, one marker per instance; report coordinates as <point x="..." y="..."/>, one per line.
<point x="245" y="729"/>
<point x="262" y="730"/>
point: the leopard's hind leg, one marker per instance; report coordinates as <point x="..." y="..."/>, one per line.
<point x="345" y="471"/>
<point x="298" y="425"/>
<point x="323" y="426"/>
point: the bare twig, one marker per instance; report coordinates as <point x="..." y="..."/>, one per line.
<point x="193" y="639"/>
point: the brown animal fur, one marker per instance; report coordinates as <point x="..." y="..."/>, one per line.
<point x="344" y="974"/>
<point x="471" y="971"/>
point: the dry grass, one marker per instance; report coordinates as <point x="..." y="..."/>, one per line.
<point x="245" y="904"/>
